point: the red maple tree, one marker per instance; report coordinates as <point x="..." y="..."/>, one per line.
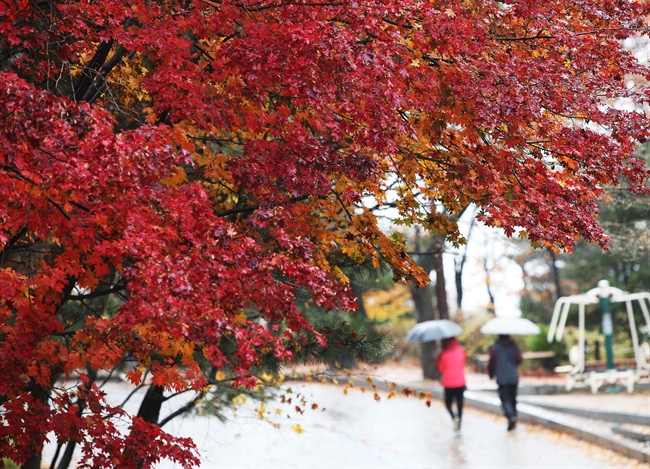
<point x="168" y="167"/>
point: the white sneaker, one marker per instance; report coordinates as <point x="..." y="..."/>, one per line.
<point x="457" y="424"/>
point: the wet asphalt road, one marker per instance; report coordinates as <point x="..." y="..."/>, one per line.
<point x="355" y="431"/>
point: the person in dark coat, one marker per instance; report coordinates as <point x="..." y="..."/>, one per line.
<point x="505" y="357"/>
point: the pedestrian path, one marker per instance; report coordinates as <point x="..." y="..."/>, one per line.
<point x="358" y="431"/>
<point x="637" y="403"/>
<point x="355" y="430"/>
<point x="559" y="411"/>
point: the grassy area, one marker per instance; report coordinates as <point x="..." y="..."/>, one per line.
<point x="9" y="464"/>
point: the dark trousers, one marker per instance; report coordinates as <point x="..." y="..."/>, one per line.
<point x="456" y="394"/>
<point x="508" y="396"/>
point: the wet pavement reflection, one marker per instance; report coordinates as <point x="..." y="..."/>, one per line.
<point x="356" y="431"/>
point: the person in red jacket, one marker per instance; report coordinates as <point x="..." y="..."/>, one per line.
<point x="451" y="364"/>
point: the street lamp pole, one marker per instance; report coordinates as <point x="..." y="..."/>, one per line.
<point x="607" y="322"/>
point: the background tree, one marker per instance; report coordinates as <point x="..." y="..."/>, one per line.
<point x="549" y="275"/>
<point x="427" y="254"/>
<point x="203" y="160"/>
<point x="459" y="264"/>
<point x="539" y="293"/>
<point x="626" y="264"/>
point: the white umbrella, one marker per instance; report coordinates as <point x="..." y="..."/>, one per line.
<point x="510" y="325"/>
<point x="428" y="331"/>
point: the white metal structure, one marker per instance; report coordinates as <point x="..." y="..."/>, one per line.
<point x="595" y="379"/>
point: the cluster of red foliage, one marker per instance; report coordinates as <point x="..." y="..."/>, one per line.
<point x="197" y="160"/>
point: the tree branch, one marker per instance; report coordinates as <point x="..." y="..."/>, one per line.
<point x="252" y="8"/>
<point x="116" y="289"/>
<point x="182" y="409"/>
<point x="26" y="179"/>
<point x="525" y="38"/>
<point x="99" y="84"/>
<point x="87" y="78"/>
<point x="252" y="208"/>
<point x="12" y="241"/>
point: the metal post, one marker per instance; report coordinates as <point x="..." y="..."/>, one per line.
<point x="607" y="322"/>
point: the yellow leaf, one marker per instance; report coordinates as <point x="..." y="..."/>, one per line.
<point x="220" y="375"/>
<point x="178" y="178"/>
<point x="449" y="12"/>
<point x="297" y="428"/>
<point x="151" y="115"/>
<point x="142" y="95"/>
<point x="239" y="399"/>
<point x="261" y="410"/>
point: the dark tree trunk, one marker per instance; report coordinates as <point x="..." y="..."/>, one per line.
<point x="491" y="306"/>
<point x="346" y="358"/>
<point x="437" y="247"/>
<point x="430" y="259"/>
<point x="627" y="270"/>
<point x="151" y="404"/>
<point x="357" y="290"/>
<point x="34" y="462"/>
<point x="458" y="279"/>
<point x="424" y="307"/>
<point x="423" y="301"/>
<point x="556" y="276"/>
<point x="150" y="413"/>
<point x="459" y="265"/>
<point x="66" y="459"/>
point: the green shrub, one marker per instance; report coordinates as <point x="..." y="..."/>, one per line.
<point x="9" y="464"/>
<point x="539" y="343"/>
<point x="474" y="342"/>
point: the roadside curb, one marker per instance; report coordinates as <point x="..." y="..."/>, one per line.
<point x="618" y="417"/>
<point x="545" y="389"/>
<point x="631" y="434"/>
